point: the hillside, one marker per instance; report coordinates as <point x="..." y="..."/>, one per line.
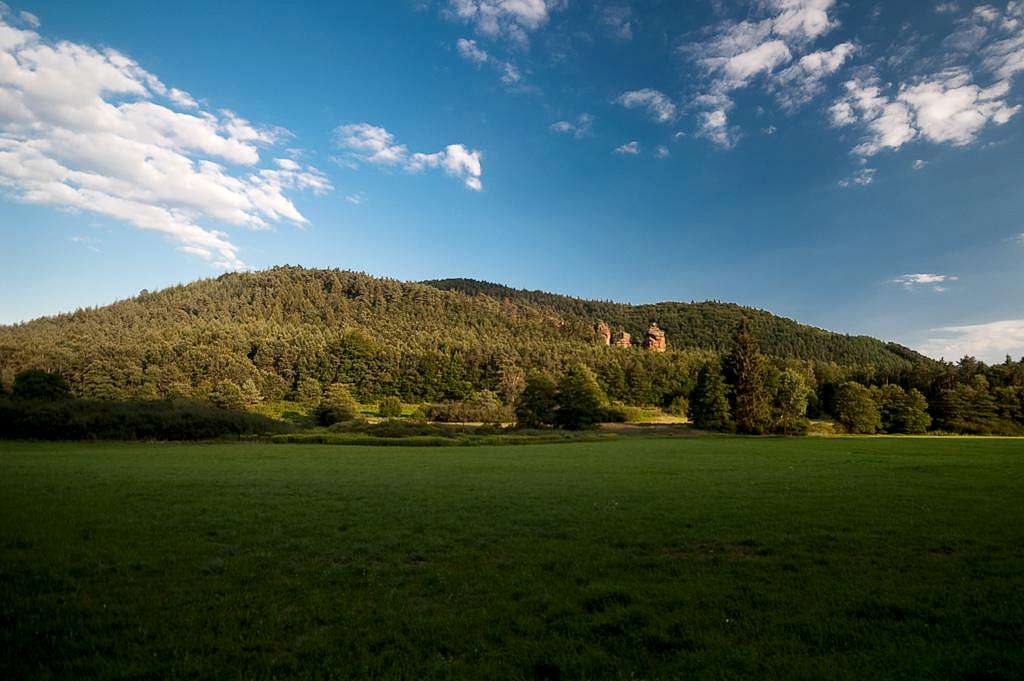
<point x="707" y="325"/>
<point x="422" y="341"/>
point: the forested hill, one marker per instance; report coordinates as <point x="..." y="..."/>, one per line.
<point x="274" y="330"/>
<point x="707" y="325"/>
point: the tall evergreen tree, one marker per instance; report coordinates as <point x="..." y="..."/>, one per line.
<point x="746" y="364"/>
<point x="709" y="405"/>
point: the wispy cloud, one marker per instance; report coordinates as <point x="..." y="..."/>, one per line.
<point x="579" y="128"/>
<point x="935" y="282"/>
<point x="657" y="104"/>
<point x="87" y="242"/>
<point x="363" y="143"/>
<point x="511" y="20"/>
<point x="861" y="178"/>
<point x="469" y="50"/>
<point x="990" y="342"/>
<point x="629" y="149"/>
<point x="737" y="54"/>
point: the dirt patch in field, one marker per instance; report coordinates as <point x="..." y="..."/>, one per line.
<point x="942" y="551"/>
<point x="711" y="550"/>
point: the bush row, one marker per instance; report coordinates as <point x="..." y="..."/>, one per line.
<point x="141" y="420"/>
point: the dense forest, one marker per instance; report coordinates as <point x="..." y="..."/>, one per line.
<point x="289" y="332"/>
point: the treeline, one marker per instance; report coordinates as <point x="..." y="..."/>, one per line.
<point x="748" y="394"/>
<point x="289" y="334"/>
<point x="41" y="407"/>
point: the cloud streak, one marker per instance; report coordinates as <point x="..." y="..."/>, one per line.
<point x="935" y="282"/>
<point x="990" y="342"/>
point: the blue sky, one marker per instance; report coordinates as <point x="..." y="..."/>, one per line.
<point x="856" y="166"/>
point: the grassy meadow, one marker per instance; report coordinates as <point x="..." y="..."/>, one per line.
<point x="702" y="558"/>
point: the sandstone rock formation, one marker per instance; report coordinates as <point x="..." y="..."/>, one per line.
<point x="622" y="339"/>
<point x="604" y="333"/>
<point x="655" y="339"/>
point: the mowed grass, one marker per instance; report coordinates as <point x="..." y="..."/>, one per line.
<point x="696" y="558"/>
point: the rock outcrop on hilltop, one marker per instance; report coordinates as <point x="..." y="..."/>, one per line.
<point x="622" y="339"/>
<point x="604" y="333"/>
<point x="654" y="340"/>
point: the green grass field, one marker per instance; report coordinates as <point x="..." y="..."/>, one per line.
<point x="697" y="558"/>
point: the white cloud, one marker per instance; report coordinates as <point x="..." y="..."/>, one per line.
<point x="739" y="53"/>
<point x="804" y="80"/>
<point x="509" y="19"/>
<point x="30" y="19"/>
<point x="629" y="149"/>
<point x="657" y="104"/>
<point x="370" y="144"/>
<point x="509" y="73"/>
<point x="919" y="164"/>
<point x="888" y="123"/>
<point x="989" y="342"/>
<point x="714" y="123"/>
<point x="943" y="108"/>
<point x="935" y="282"/>
<point x="947" y="8"/>
<point x="861" y="178"/>
<point x="997" y="36"/>
<point x="470" y="51"/>
<point x="949" y="108"/>
<point x="579" y="128"/>
<point x="662" y="152"/>
<point x="356" y="199"/>
<point x="366" y="143"/>
<point x="802" y="20"/>
<point x="85" y="129"/>
<point x="474" y="54"/>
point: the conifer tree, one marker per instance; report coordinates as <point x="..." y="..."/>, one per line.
<point x="751" y="407"/>
<point x="709" y="405"/>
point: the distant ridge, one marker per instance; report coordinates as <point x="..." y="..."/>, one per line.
<point x="707" y="325"/>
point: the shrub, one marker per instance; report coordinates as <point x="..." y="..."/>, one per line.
<point x="36" y="384"/>
<point x="390" y="407"/>
<point x="481" y="407"/>
<point x="679" y="406"/>
<point x="617" y="412"/>
<point x="150" y="420"/>
<point x="337" y="406"/>
<point x="227" y="395"/>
